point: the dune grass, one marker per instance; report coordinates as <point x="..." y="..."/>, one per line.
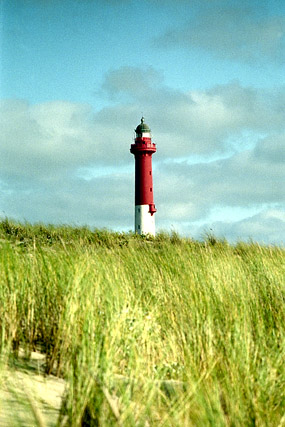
<point x="159" y="331"/>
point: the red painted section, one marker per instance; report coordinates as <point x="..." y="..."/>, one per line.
<point x="143" y="149"/>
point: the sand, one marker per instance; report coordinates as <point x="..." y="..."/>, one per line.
<point x="28" y="397"/>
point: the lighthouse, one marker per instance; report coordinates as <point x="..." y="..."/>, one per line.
<point x="143" y="150"/>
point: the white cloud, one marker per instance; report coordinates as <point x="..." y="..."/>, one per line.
<point x="50" y="139"/>
<point x="200" y="122"/>
<point x="271" y="149"/>
<point x="244" y="178"/>
<point x="231" y="32"/>
<point x="46" y="141"/>
<point x="267" y="227"/>
<point x="100" y="202"/>
<point x="43" y="148"/>
<point x="189" y="193"/>
<point x="128" y="80"/>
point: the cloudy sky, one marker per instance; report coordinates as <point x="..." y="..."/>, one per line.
<point x="209" y="77"/>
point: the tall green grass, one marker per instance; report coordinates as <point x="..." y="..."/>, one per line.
<point x="162" y="331"/>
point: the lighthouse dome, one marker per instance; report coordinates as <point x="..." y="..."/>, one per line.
<point x="142" y="128"/>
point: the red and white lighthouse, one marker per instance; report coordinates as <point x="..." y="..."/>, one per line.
<point x="143" y="149"/>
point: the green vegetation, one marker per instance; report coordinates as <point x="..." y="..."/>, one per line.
<point x="148" y="332"/>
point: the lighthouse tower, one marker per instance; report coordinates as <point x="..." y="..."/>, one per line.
<point x="143" y="149"/>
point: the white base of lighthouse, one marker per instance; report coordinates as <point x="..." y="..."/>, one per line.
<point x="144" y="221"/>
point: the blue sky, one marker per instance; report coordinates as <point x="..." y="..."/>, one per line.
<point x="209" y="79"/>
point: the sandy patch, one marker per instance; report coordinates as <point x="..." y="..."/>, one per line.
<point x="27" y="397"/>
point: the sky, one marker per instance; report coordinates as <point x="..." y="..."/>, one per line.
<point x="207" y="75"/>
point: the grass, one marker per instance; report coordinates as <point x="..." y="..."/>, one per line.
<point x="159" y="331"/>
